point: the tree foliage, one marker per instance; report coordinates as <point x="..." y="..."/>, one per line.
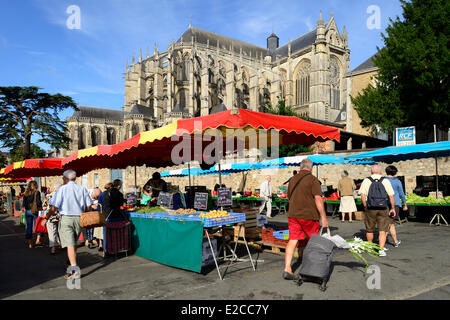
<point x="25" y="112"/>
<point x="412" y="85"/>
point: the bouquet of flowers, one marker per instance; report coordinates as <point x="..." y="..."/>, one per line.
<point x="358" y="246"/>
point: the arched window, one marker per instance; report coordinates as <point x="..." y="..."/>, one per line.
<point x="186" y="68"/>
<point x="111" y="136"/>
<point x="95" y="136"/>
<point x="302" y="84"/>
<point x="334" y="79"/>
<point x="135" y="130"/>
<point x="81" y="138"/>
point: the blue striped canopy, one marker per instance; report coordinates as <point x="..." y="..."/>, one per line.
<point x="394" y="154"/>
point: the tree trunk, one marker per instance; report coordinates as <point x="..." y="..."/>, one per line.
<point x="26" y="148"/>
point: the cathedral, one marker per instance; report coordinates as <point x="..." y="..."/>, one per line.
<point x="203" y="73"/>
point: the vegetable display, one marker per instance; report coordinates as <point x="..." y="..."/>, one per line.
<point x="413" y="198"/>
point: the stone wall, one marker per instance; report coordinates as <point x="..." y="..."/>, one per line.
<point x="328" y="174"/>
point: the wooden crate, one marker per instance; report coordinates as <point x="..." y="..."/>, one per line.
<point x="251" y="233"/>
<point x="279" y="249"/>
<point x="359" y="215"/>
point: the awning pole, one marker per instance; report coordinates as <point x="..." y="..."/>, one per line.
<point x="135" y="179"/>
<point x="189" y="172"/>
<point x="220" y="175"/>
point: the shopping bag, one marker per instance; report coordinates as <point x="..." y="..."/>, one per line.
<point x="38" y="228"/>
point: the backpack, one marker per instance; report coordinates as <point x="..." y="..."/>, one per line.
<point x="377" y="197"/>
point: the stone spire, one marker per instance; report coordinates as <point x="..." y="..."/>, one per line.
<point x="132" y="61"/>
<point x="155" y="51"/>
<point x="140" y="54"/>
<point x="127" y="66"/>
<point x="320" y="28"/>
<point x="148" y="52"/>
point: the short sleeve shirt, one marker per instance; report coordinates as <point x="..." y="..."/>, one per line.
<point x="301" y="202"/>
<point x="366" y="185"/>
<point x="71" y="199"/>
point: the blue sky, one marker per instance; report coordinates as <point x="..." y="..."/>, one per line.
<point x="37" y="48"/>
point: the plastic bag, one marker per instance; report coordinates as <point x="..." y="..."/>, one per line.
<point x="338" y="241"/>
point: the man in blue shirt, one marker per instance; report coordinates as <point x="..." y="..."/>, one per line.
<point x="72" y="200"/>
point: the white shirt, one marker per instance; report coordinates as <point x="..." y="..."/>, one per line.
<point x="264" y="189"/>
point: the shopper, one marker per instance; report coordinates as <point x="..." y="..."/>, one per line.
<point x="377" y="196"/>
<point x="88" y="234"/>
<point x="71" y="200"/>
<point x="113" y="201"/>
<point x="98" y="232"/>
<point x="346" y="187"/>
<point x="399" y="196"/>
<point x="306" y="208"/>
<point x="30" y="197"/>
<point x="265" y="194"/>
<point x="154" y="186"/>
<point x="52" y="225"/>
<point x="293" y="175"/>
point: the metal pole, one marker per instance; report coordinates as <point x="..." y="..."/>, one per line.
<point x="220" y="175"/>
<point x="189" y="172"/>
<point x="135" y="179"/>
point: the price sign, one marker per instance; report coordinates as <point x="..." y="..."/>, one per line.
<point x="164" y="199"/>
<point x="224" y="197"/>
<point x="201" y="201"/>
<point x="131" y="199"/>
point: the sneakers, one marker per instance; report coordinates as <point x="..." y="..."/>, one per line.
<point x="289" y="276"/>
<point x="382" y="253"/>
<point x="398" y="243"/>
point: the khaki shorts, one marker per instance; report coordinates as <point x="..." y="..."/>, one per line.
<point x="379" y="218"/>
<point x="69" y="230"/>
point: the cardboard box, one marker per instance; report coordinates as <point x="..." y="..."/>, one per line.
<point x="359" y="215"/>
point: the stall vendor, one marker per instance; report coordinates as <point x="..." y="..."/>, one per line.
<point x="154" y="186"/>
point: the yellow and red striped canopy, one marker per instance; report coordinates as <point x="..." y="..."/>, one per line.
<point x="154" y="147"/>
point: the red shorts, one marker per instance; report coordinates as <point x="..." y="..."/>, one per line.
<point x="298" y="228"/>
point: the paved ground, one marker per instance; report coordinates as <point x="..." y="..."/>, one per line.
<point x="418" y="269"/>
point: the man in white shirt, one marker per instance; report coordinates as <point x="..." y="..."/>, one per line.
<point x="265" y="193"/>
<point x="377" y="214"/>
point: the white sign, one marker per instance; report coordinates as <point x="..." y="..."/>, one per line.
<point x="405" y="136"/>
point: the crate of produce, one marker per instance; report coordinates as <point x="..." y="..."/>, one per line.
<point x="281" y="235"/>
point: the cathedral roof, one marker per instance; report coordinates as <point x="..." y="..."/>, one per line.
<point x="202" y="36"/>
<point x="301" y="42"/>
<point x="99" y="113"/>
<point x="140" y="109"/>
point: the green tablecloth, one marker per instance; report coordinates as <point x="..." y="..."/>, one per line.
<point x="174" y="243"/>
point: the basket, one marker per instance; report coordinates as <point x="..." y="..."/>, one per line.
<point x="92" y="219"/>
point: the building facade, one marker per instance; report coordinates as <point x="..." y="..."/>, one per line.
<point x="204" y="73"/>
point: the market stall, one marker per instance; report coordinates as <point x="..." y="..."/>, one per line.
<point x="418" y="151"/>
<point x="157" y="236"/>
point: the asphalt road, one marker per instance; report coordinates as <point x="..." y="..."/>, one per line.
<point x="418" y="269"/>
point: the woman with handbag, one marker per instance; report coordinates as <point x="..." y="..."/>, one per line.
<point x="98" y="232"/>
<point x="32" y="204"/>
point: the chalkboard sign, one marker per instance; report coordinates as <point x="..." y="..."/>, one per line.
<point x="201" y="201"/>
<point x="131" y="199"/>
<point x="164" y="199"/>
<point x="224" y="197"/>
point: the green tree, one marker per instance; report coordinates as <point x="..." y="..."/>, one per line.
<point x="282" y="109"/>
<point x="35" y="153"/>
<point x="26" y="112"/>
<point x="3" y="160"/>
<point x="412" y="85"/>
